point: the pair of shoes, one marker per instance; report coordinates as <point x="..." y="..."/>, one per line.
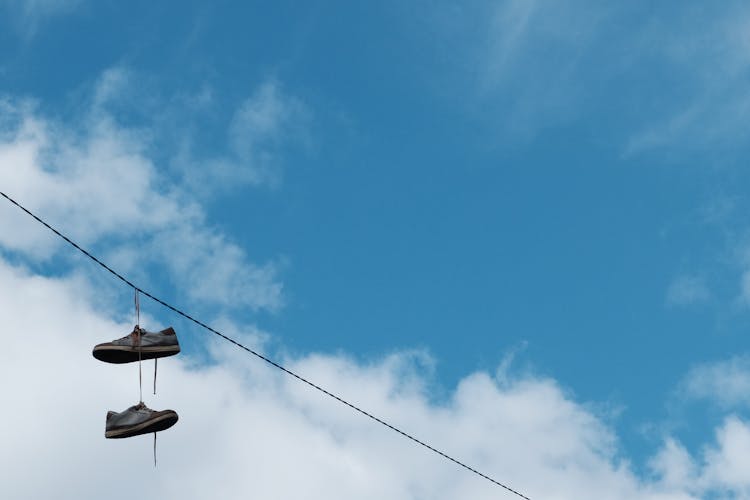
<point x="138" y="345"/>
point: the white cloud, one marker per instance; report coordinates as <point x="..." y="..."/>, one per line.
<point x="724" y="382"/>
<point x="219" y="271"/>
<point x="729" y="461"/>
<point x="113" y="83"/>
<point x="675" y="467"/>
<point x="97" y="183"/>
<point x="262" y="117"/>
<point x="261" y="127"/>
<point x="246" y="429"/>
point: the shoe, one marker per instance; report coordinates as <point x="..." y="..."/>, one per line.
<point x="136" y="420"/>
<point x="152" y="345"/>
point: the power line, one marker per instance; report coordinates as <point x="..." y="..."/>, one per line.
<point x="258" y="355"/>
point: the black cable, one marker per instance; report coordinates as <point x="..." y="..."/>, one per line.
<point x="258" y="355"/>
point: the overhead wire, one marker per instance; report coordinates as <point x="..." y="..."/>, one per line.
<point x="300" y="378"/>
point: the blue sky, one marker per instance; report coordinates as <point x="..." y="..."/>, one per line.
<point x="548" y="193"/>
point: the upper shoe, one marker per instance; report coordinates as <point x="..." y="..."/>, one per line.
<point x="152" y="345"/>
<point x="136" y="420"/>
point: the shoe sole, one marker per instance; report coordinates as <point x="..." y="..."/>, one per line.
<point x="127" y="354"/>
<point x="160" y="423"/>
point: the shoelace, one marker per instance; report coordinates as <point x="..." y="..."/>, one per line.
<point x="142" y="407"/>
<point x="138" y="332"/>
<point x="136" y="336"/>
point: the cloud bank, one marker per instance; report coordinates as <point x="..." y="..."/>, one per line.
<point x="97" y="184"/>
<point x="246" y="429"/>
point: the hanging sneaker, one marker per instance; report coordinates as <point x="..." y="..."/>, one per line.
<point x="152" y="345"/>
<point x="137" y="420"/>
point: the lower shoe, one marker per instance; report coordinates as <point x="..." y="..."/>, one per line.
<point x="137" y="420"/>
<point x="152" y="345"/>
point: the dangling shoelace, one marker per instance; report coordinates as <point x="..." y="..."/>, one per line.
<point x="137" y="332"/>
<point x="156" y="360"/>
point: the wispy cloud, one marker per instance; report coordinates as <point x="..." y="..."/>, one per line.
<point x="662" y="79"/>
<point x="213" y="145"/>
<point x="742" y="262"/>
<point x="30" y="14"/>
<point x="98" y="182"/>
<point x="687" y="290"/>
<point x="726" y="383"/>
<point x="536" y="64"/>
<point x="706" y="51"/>
<point x="262" y="126"/>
